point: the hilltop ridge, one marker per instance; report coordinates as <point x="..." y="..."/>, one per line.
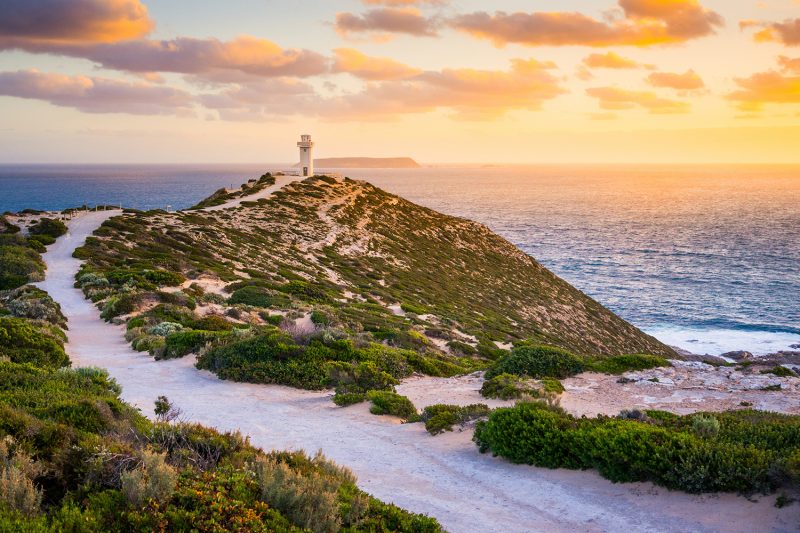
<point x="376" y="263"/>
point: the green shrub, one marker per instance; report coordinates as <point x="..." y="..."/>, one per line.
<point x="183" y="343"/>
<point x="780" y="371"/>
<point x="626" y="363"/>
<point x="153" y="481"/>
<point x="305" y="290"/>
<point x="18" y="492"/>
<point x="7" y="227"/>
<point x="19" y="264"/>
<point x="48" y="226"/>
<point x="212" y="323"/>
<point x="391" y="403"/>
<point x="507" y="387"/>
<point x="441" y="417"/>
<point x="163" y="329"/>
<point x="44" y="240"/>
<point x="343" y="399"/>
<point x="749" y="452"/>
<point x="23" y="341"/>
<point x="309" y="500"/>
<point x="252" y="295"/>
<point x="552" y="386"/>
<point x="706" y="426"/>
<point x="538" y="362"/>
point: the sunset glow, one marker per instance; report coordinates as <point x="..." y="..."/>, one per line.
<point x="577" y="81"/>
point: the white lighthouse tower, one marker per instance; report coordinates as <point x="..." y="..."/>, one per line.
<point x="306" y="155"/>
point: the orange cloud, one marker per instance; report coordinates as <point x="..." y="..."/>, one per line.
<point x="766" y="88"/>
<point x="616" y="99"/>
<point x="96" y="95"/>
<point x="790" y="64"/>
<point x="371" y="68"/>
<point x="399" y="3"/>
<point x="786" y="32"/>
<point x="470" y="93"/>
<point x="636" y="23"/>
<point x="688" y="81"/>
<point x="386" y="21"/>
<point x="611" y="60"/>
<point x="27" y="24"/>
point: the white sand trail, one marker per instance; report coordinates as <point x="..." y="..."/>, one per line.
<point x="442" y="476"/>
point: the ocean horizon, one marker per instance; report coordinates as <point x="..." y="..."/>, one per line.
<point x="703" y="257"/>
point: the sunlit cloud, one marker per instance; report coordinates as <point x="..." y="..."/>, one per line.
<point x="635" y="23"/>
<point x="688" y="81"/>
<point x="386" y="21"/>
<point x="370" y="68"/>
<point x="96" y="95"/>
<point x="771" y="87"/>
<point x="33" y="24"/>
<point x="612" y="60"/>
<point x="468" y="94"/>
<point x="786" y="32"/>
<point x="617" y="99"/>
<point x="400" y="3"/>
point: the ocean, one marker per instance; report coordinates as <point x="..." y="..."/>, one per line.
<point x="706" y="258"/>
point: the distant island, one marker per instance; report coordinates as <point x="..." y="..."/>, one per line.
<point x="366" y="162"/>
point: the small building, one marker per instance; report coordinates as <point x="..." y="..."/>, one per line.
<point x="306" y="155"/>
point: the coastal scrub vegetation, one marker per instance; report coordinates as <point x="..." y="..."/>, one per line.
<point x="335" y="283"/>
<point x="74" y="457"/>
<point x="536" y="361"/>
<point x="20" y="262"/>
<point x="442" y="417"/>
<point x="223" y="195"/>
<point x="738" y="451"/>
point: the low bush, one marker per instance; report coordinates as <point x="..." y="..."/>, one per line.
<point x="23" y="341"/>
<point x="780" y="371"/>
<point x="507" y="387"/>
<point x="48" y="226"/>
<point x="538" y="362"/>
<point x="19" y="264"/>
<point x="343" y="399"/>
<point x="152" y="481"/>
<point x="391" y="403"/>
<point x="212" y="323"/>
<point x="182" y="343"/>
<point x="253" y="296"/>
<point x="441" y="417"/>
<point x="626" y="363"/>
<point x="744" y="451"/>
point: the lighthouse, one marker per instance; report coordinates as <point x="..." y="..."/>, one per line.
<point x="306" y="155"/>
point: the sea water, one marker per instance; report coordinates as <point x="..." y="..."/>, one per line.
<point x="706" y="258"/>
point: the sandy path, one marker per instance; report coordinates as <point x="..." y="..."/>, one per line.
<point x="442" y="476"/>
<point x="266" y="192"/>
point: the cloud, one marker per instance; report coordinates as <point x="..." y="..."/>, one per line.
<point x="210" y="58"/>
<point x="611" y="60"/>
<point x="770" y="87"/>
<point x="96" y="95"/>
<point x="386" y="21"/>
<point x="399" y="3"/>
<point x="471" y="94"/>
<point x="371" y="68"/>
<point x="790" y="64"/>
<point x="635" y="23"/>
<point x="688" y="81"/>
<point x="786" y="32"/>
<point x="30" y="24"/>
<point x="616" y="99"/>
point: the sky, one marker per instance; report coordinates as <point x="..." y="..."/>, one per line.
<point x="443" y="81"/>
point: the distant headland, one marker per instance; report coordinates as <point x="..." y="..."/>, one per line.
<point x="366" y="162"/>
